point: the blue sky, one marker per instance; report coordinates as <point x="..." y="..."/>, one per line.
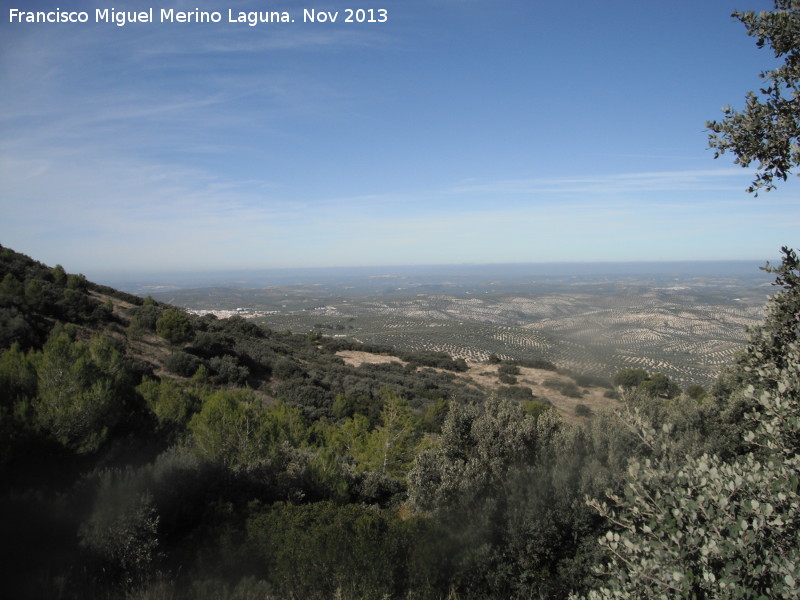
<point x="459" y="131"/>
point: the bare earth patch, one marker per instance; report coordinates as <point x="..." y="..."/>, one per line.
<point x="356" y="358"/>
<point x="484" y="376"/>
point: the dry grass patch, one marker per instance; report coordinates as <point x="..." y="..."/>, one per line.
<point x="486" y="377"/>
<point x="356" y="358"/>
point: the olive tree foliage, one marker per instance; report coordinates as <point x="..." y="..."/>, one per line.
<point x="630" y="377"/>
<point x="704" y="526"/>
<point x="655" y="385"/>
<point x="709" y="528"/>
<point x="781" y="328"/>
<point x="770" y="340"/>
<point x="477" y="448"/>
<point x="767" y="130"/>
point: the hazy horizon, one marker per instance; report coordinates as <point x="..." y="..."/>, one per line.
<point x="435" y="274"/>
<point x="451" y="132"/>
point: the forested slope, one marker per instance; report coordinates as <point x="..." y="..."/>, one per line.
<point x="147" y="453"/>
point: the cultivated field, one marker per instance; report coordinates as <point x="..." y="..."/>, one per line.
<point x="686" y="328"/>
<point x="667" y="332"/>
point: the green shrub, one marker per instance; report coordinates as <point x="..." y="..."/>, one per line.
<point x="182" y="363"/>
<point x="696" y="392"/>
<point x="515" y="392"/>
<point x="630" y="378"/>
<point x="508" y="369"/>
<point x="567" y="388"/>
<point x="175" y="326"/>
<point x="581" y="410"/>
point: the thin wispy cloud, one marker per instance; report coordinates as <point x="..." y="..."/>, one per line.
<point x="703" y="179"/>
<point x="443" y="135"/>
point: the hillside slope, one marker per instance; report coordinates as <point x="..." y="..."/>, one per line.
<point x="150" y="453"/>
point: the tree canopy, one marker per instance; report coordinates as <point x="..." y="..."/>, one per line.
<point x="767" y="130"/>
<point x="706" y="526"/>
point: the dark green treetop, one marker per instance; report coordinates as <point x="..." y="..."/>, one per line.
<point x="175" y="326"/>
<point x="767" y="130"/>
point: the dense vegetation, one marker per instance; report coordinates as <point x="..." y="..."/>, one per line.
<point x="133" y="434"/>
<point x="148" y="453"/>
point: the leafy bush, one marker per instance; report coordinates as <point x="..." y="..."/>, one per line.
<point x="228" y="370"/>
<point x="584" y="380"/>
<point x="505" y="490"/>
<point x="286" y="368"/>
<point x="172" y="403"/>
<point x="17" y="328"/>
<point x="696" y="392"/>
<point x="313" y="400"/>
<point x="175" y="326"/>
<point x="568" y="388"/>
<point x="182" y="363"/>
<point x="435" y="415"/>
<point x="659" y="385"/>
<point x="322" y="551"/>
<point x="240" y="327"/>
<point x="144" y="317"/>
<point x="439" y="360"/>
<point x="536" y="363"/>
<point x="515" y="392"/>
<point x="630" y="378"/>
<point x="714" y="526"/>
<point x="656" y="385"/>
<point x="707" y="527"/>
<point x="508" y="369"/>
<point x="236" y="429"/>
<point x="536" y="407"/>
<point x="121" y="534"/>
<point x="76" y="401"/>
